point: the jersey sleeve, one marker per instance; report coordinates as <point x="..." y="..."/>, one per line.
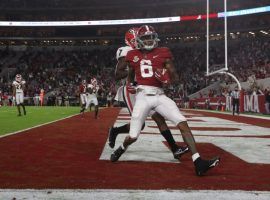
<point x="167" y="53"/>
<point x="129" y="56"/>
<point x="122" y="52"/>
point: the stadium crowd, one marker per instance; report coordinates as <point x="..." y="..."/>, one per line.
<point x="59" y="71"/>
<point x="62" y="70"/>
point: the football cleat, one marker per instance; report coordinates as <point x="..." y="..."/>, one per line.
<point x="117" y="154"/>
<point x="202" y="166"/>
<point x="112" y="137"/>
<point x="82" y="110"/>
<point x="180" y="151"/>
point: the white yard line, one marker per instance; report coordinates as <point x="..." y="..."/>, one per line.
<point x="228" y="113"/>
<point x="27" y="129"/>
<point x="110" y="194"/>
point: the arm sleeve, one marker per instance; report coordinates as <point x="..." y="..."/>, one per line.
<point x="122" y="52"/>
<point x="167" y="53"/>
<point x="129" y="56"/>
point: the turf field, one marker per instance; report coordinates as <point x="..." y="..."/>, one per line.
<point x="70" y="159"/>
<point x="10" y="122"/>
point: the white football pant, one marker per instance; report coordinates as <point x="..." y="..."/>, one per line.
<point x="159" y="103"/>
<point x="19" y="98"/>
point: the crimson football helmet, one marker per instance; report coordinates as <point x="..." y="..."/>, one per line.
<point x="147" y="38"/>
<point x="18" y="77"/>
<point x="130" y="37"/>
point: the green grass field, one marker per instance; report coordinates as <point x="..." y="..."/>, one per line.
<point x="10" y="122"/>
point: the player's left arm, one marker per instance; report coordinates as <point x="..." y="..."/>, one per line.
<point x="121" y="69"/>
<point x="131" y="74"/>
<point x="169" y="65"/>
<point x="13" y="90"/>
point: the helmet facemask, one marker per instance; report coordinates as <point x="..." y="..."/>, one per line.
<point x="147" y="38"/>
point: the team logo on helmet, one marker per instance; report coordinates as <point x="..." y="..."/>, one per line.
<point x="130" y="37"/>
<point x="147" y="38"/>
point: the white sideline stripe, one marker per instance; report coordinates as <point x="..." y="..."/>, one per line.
<point x="96" y="194"/>
<point x="27" y="129"/>
<point x="228" y="113"/>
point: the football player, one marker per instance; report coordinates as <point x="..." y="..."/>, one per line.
<point x="153" y="66"/>
<point x="41" y="96"/>
<point x="83" y="96"/>
<point x="128" y="94"/>
<point x="92" y="90"/>
<point x="18" y="87"/>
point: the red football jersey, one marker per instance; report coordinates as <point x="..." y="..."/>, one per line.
<point x="82" y="88"/>
<point x="146" y="63"/>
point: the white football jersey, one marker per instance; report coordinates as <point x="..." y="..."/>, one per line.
<point x="18" y="86"/>
<point x="122" y="52"/>
<point x="94" y="88"/>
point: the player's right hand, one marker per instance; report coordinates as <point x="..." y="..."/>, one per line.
<point x="162" y="75"/>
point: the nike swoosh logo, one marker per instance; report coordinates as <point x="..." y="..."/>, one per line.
<point x="214" y="163"/>
<point x="155" y="56"/>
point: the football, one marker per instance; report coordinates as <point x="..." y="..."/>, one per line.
<point x="162" y="75"/>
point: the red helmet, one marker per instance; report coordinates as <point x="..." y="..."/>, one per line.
<point x="147" y="38"/>
<point x="18" y="78"/>
<point x="130" y="37"/>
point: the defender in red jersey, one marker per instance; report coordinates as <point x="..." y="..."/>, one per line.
<point x="143" y="64"/>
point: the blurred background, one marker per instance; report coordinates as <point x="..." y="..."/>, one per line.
<point x="56" y="59"/>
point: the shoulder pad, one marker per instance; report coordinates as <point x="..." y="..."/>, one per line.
<point x="122" y="52"/>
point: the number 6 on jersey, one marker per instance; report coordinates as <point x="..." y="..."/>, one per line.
<point x="146" y="68"/>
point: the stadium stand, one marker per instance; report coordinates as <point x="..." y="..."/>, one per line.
<point x="57" y="58"/>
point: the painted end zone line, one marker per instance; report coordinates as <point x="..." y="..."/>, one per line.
<point x="134" y="194"/>
<point x="27" y="129"/>
<point x="227" y="113"/>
